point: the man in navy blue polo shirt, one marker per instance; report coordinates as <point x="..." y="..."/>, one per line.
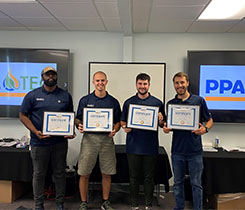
<point x="187" y="145"/>
<point x="141" y="145"/>
<point x="96" y="144"/>
<point x="46" y="148"/>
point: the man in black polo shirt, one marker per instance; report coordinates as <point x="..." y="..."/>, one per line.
<point x="45" y="148"/>
<point x="187" y="145"/>
<point x="97" y="144"/>
<point x="141" y="145"/>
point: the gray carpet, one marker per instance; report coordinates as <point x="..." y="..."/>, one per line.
<point x="119" y="198"/>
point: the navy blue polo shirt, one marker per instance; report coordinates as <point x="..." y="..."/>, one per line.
<point x="39" y="100"/>
<point x="92" y="101"/>
<point x="185" y="142"/>
<point x="138" y="141"/>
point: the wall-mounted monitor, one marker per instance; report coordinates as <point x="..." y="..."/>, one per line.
<point x="219" y="77"/>
<point x="20" y="72"/>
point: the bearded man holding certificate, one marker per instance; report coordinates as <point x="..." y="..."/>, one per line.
<point x="186" y="112"/>
<point x="139" y="120"/>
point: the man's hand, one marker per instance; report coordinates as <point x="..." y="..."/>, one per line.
<point x="71" y="137"/>
<point x="112" y="133"/>
<point x="165" y="129"/>
<point x="201" y="130"/>
<point x="40" y="135"/>
<point x="126" y="130"/>
<point x="80" y="128"/>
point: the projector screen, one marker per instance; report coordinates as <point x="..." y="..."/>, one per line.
<point x="219" y="77"/>
<point x="20" y="72"/>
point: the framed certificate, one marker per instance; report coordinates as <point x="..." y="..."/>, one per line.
<point x="143" y="117"/>
<point x="185" y="117"/>
<point x="98" y="119"/>
<point x="58" y="123"/>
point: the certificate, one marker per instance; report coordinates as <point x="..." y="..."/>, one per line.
<point x="98" y="119"/>
<point x="185" y="117"/>
<point x="143" y="117"/>
<point x="58" y="123"/>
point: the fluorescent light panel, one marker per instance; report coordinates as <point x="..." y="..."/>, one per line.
<point x="224" y="9"/>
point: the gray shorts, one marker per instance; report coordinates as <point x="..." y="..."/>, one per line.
<point x="93" y="145"/>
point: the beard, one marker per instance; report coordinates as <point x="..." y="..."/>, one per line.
<point x="142" y="92"/>
<point x="50" y="83"/>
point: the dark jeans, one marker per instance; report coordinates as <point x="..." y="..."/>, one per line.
<point x="195" y="167"/>
<point x="141" y="166"/>
<point x="40" y="160"/>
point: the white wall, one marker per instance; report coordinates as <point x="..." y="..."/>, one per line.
<point x="95" y="46"/>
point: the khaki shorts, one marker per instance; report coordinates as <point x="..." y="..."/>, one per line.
<point x="93" y="145"/>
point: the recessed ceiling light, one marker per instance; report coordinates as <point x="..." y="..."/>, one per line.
<point x="224" y="9"/>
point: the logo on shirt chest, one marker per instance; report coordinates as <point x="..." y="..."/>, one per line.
<point x="90" y="105"/>
<point x="40" y="99"/>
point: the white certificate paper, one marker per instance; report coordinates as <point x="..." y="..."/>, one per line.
<point x="143" y="117"/>
<point x="58" y="123"/>
<point x="185" y="117"/>
<point x="98" y="119"/>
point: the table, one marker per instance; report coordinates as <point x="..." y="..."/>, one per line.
<point x="16" y="171"/>
<point x="162" y="175"/>
<point x="224" y="172"/>
<point x="16" y="164"/>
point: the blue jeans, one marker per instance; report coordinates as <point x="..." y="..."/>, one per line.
<point x="195" y="167"/>
<point x="40" y="161"/>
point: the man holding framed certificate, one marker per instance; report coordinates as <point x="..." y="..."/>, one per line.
<point x="98" y="118"/>
<point x="186" y="112"/>
<point x="51" y="146"/>
<point x="139" y="120"/>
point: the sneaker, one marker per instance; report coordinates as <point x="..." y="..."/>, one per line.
<point x="106" y="205"/>
<point x="135" y="208"/>
<point x="148" y="207"/>
<point x="59" y="206"/>
<point x="83" y="206"/>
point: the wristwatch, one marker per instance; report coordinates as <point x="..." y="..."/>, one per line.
<point x="206" y="129"/>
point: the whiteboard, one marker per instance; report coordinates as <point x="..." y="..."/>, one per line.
<point x="122" y="82"/>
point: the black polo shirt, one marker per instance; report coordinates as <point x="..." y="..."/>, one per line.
<point x="184" y="141"/>
<point x="92" y="101"/>
<point x="139" y="141"/>
<point x="39" y="100"/>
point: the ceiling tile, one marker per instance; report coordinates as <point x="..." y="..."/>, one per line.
<point x="174" y="26"/>
<point x="238" y="28"/>
<point x="92" y="24"/>
<point x="211" y="26"/>
<point x="112" y="24"/>
<point x="107" y="9"/>
<point x="24" y="10"/>
<point x="40" y="22"/>
<point x="171" y="13"/>
<point x="8" y="22"/>
<point x="179" y="2"/>
<point x="71" y="9"/>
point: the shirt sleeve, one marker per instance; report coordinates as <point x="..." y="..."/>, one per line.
<point x="81" y="105"/>
<point x="205" y="113"/>
<point x="124" y="114"/>
<point x="117" y="113"/>
<point x="27" y="104"/>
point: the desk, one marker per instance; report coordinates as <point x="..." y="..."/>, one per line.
<point x="162" y="175"/>
<point x="224" y="172"/>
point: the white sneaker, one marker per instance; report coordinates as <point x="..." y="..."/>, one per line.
<point x="135" y="208"/>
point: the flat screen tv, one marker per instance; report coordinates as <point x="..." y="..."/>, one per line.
<point x="20" y="72"/>
<point x="219" y="77"/>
